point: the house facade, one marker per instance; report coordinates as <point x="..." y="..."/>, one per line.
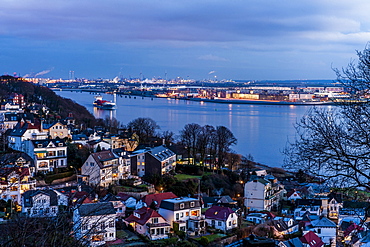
<point x="43" y="203"/>
<point x="158" y="160"/>
<point x="148" y="222"/>
<point x="222" y="218"/>
<point x="49" y="154"/>
<point x="14" y="181"/>
<point x="184" y="214"/>
<point x="103" y="168"/>
<point x="262" y="194"/>
<point x="56" y="129"/>
<point x="95" y="223"/>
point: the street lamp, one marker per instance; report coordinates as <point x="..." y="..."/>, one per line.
<point x="76" y="171"/>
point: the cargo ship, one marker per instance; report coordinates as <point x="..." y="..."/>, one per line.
<point x="103" y="104"/>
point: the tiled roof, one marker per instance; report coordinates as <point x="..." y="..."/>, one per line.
<point x="161" y="153"/>
<point x="148" y="199"/>
<point x="323" y="222"/>
<point x="312" y="239"/>
<point x="102" y="156"/>
<point x="95" y="209"/>
<point x="145" y="214"/>
<point x="27" y="197"/>
<point x="218" y="213"/>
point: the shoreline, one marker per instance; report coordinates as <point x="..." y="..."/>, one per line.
<point x="218" y="100"/>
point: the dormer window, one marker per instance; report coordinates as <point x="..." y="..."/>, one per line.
<point x="60" y="144"/>
<point x="182" y="205"/>
<point x="192" y="204"/>
<point x="39" y="145"/>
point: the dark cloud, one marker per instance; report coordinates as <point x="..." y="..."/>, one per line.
<point x="217" y="33"/>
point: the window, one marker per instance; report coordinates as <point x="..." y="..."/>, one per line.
<point x="102" y="225"/>
<point x="318" y="230"/>
<point x="177" y="216"/>
<point x="111" y="223"/>
<point x="229" y="223"/>
<point x="182" y="214"/>
<point x="219" y="223"/>
<point x="155" y="220"/>
<point x="182" y="205"/>
<point x="111" y="234"/>
<point x="192" y="204"/>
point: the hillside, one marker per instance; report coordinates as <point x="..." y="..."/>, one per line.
<point x="43" y="95"/>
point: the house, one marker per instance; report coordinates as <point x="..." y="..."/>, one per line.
<point x="294" y="242"/>
<point x="158" y="160"/>
<point x="222" y="218"/>
<point x="184" y="214"/>
<point x="118" y="205"/>
<point x="103" y="168"/>
<point x="95" y="223"/>
<point x="218" y="200"/>
<point x="148" y="222"/>
<point x="300" y="211"/>
<point x="43" y="203"/>
<point x="18" y="159"/>
<point x="353" y="211"/>
<point x="49" y="154"/>
<point x="262" y="194"/>
<point x="335" y="203"/>
<point x="14" y="181"/>
<point x="98" y="145"/>
<point x="24" y="130"/>
<point x="325" y="229"/>
<point x="312" y="240"/>
<point x="257" y="218"/>
<point x="8" y="120"/>
<point x="154" y="200"/>
<point x="125" y="161"/>
<point x="293" y="195"/>
<point x="56" y="129"/>
<point x="127" y="199"/>
<point x="282" y="227"/>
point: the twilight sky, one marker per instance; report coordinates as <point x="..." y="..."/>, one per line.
<point x="238" y="39"/>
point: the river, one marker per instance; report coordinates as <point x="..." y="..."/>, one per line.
<point x="261" y="130"/>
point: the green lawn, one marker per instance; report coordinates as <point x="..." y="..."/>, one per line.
<point x="212" y="237"/>
<point x="181" y="177"/>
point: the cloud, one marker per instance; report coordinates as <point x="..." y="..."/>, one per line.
<point x="211" y="57"/>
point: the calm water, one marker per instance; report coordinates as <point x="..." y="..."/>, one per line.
<point x="261" y="130"/>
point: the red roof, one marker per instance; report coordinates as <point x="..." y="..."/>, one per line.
<point x="145" y="215"/>
<point x="123" y="196"/>
<point x="148" y="199"/>
<point x="312" y="239"/>
<point x="218" y="213"/>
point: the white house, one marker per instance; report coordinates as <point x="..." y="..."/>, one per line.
<point x="103" y="168"/>
<point x="262" y="194"/>
<point x="335" y="203"/>
<point x="43" y="203"/>
<point x="14" y="181"/>
<point x="24" y="130"/>
<point x="222" y="218"/>
<point x="49" y="154"/>
<point x="184" y="214"/>
<point x="94" y="223"/>
<point x="325" y="229"/>
<point x="148" y="222"/>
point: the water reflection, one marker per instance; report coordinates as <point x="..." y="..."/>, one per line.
<point x="261" y="130"/>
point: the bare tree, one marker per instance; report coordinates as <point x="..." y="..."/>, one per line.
<point x="334" y="144"/>
<point x="144" y="127"/>
<point x="224" y="140"/>
<point x="189" y="137"/>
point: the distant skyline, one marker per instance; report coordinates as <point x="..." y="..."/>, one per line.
<point x="239" y="40"/>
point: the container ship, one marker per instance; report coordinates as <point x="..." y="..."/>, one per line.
<point x="103" y="104"/>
